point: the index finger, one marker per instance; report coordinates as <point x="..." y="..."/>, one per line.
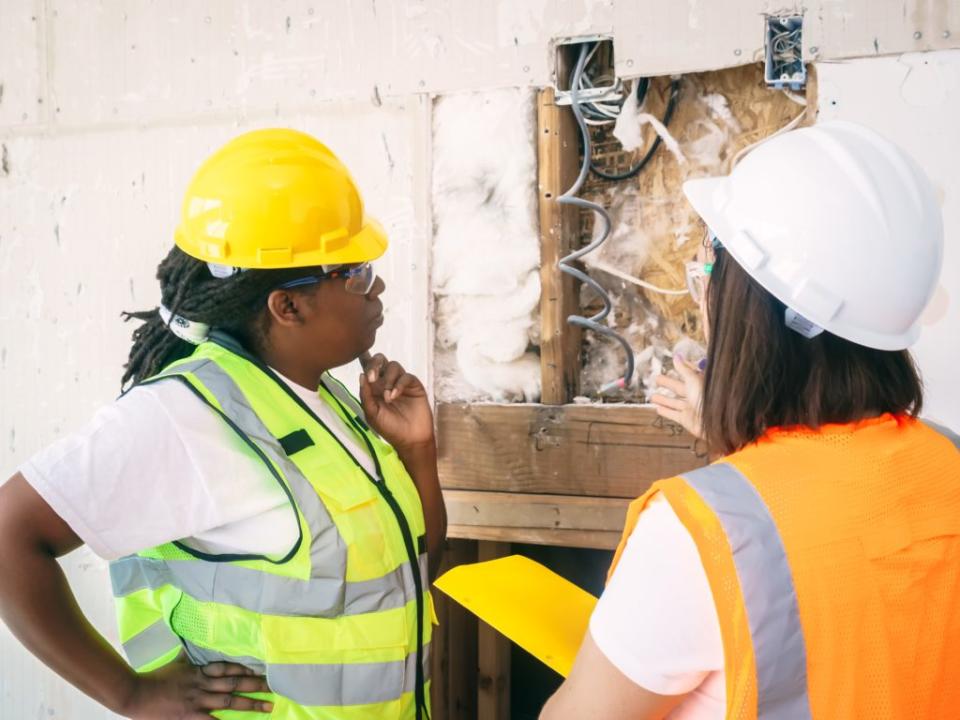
<point x="374" y="367"/>
<point x="678" y="387"/>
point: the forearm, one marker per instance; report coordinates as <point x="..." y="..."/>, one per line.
<point x="36" y="603"/>
<point x="421" y="463"/>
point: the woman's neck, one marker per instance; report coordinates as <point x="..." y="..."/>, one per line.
<point x="289" y="364"/>
<point x="295" y="371"/>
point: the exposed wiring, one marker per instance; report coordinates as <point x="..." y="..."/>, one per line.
<point x="785" y="48"/>
<point x="643" y="85"/>
<point x="565" y="264"/>
<point x="627" y="277"/>
<point x="798" y="99"/>
<point x="786" y="128"/>
<point x="635" y="170"/>
<point x="603" y="112"/>
<point x="606" y="110"/>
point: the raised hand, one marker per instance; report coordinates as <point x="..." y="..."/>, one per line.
<point x="684" y="407"/>
<point x="395" y="403"/>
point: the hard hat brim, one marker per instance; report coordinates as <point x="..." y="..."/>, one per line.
<point x="367" y="245"/>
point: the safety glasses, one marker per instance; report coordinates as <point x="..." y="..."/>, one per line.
<point x="360" y="278"/>
<point x="698" y="272"/>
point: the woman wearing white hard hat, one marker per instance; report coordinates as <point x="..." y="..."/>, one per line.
<point x="813" y="570"/>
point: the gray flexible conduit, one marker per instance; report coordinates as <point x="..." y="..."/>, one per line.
<point x="570" y="198"/>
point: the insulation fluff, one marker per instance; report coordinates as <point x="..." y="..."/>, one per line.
<point x="486" y="249"/>
<point x="629" y="128"/>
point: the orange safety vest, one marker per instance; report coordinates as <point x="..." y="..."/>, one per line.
<point x="833" y="556"/>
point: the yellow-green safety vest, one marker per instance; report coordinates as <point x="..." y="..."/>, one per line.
<point x="340" y="625"/>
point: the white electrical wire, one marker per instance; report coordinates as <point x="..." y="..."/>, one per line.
<point x="798" y="99"/>
<point x="626" y="277"/>
<point x="786" y="128"/>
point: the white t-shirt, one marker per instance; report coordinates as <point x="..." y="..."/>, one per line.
<point x="656" y="620"/>
<point x="158" y="465"/>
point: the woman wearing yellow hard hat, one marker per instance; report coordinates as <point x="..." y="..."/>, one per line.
<point x="813" y="570"/>
<point x="271" y="537"/>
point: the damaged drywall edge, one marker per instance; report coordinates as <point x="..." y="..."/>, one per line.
<point x="423" y="218"/>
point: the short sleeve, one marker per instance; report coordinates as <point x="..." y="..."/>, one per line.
<point x="126" y="481"/>
<point x="656" y="620"/>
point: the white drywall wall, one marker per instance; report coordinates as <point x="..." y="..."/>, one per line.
<point x="914" y="100"/>
<point x="654" y="37"/>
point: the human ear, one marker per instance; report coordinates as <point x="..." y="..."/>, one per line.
<point x="283" y="307"/>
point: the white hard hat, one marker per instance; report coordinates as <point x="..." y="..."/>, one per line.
<point x="839" y="224"/>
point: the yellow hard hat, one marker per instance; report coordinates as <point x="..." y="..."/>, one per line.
<point x="276" y="198"/>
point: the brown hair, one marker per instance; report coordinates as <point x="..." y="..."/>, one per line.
<point x="761" y="374"/>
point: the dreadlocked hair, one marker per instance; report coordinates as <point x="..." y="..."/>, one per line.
<point x="234" y="304"/>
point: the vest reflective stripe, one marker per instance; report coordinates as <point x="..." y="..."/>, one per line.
<point x="330" y="648"/>
<point x="767" y="587"/>
<point x="946" y="432"/>
<point x="265" y="592"/>
<point x="309" y="684"/>
<point x="150" y="644"/>
<point x="327" y="549"/>
<point x="341" y="394"/>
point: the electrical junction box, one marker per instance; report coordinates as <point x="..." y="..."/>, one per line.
<point x="783" y="44"/>
<point x="599" y="82"/>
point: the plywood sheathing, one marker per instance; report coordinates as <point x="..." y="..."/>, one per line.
<point x="655" y="229"/>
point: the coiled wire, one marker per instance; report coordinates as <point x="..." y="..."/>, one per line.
<point x="565" y="264"/>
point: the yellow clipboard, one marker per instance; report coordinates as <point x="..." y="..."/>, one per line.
<point x="537" y="609"/>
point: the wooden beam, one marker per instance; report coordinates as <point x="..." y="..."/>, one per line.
<point x="590" y="539"/>
<point x="557" y="156"/>
<point x="548" y="512"/>
<point x="493" y="677"/>
<point x="562" y="520"/>
<point x="594" y="450"/>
